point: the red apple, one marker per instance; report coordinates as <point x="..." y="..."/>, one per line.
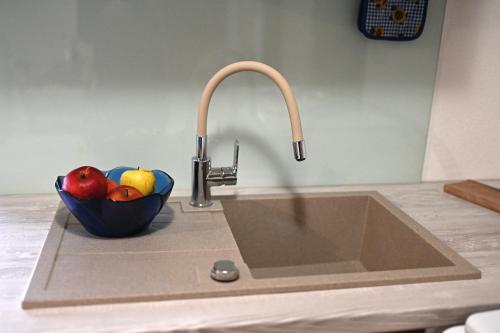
<point x="86" y="182"/>
<point x="111" y="185"/>
<point x="124" y="193"/>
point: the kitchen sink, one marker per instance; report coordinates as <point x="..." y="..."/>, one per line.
<point x="277" y="243"/>
<point x="336" y="233"/>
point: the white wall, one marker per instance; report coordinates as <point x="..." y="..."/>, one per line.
<point x="464" y="132"/>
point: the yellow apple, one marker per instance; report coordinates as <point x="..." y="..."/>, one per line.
<point x="142" y="179"/>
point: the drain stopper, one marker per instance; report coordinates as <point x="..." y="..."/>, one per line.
<point x="224" y="271"/>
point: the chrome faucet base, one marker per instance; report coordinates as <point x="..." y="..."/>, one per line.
<point x="200" y="194"/>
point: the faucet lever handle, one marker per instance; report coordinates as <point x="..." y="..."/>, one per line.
<point x="236" y="153"/>
<point x="225" y="175"/>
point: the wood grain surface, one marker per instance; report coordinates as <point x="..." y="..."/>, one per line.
<point x="469" y="229"/>
<point x="476" y="192"/>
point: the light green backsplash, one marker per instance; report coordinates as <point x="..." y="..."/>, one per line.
<point x="111" y="83"/>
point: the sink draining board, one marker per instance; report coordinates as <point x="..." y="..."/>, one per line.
<point x="172" y="259"/>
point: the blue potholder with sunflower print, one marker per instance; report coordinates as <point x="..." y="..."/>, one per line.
<point x="397" y="20"/>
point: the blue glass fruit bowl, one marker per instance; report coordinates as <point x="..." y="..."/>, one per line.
<point x="108" y="218"/>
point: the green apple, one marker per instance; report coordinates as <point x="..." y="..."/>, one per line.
<point x="142" y="179"/>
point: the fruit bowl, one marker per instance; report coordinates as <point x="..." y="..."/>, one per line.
<point x="108" y="218"/>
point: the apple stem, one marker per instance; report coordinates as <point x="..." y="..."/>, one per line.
<point x="126" y="192"/>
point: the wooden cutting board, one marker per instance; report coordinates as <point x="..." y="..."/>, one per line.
<point x="476" y="192"/>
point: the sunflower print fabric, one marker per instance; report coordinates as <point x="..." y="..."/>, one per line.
<point x="392" y="19"/>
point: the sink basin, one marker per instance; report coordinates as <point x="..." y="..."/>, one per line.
<point x="338" y="233"/>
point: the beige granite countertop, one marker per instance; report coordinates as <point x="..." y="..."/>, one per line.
<point x="472" y="231"/>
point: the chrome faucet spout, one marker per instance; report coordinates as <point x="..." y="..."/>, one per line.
<point x="204" y="176"/>
<point x="299" y="150"/>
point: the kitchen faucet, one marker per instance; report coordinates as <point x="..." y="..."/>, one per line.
<point x="204" y="176"/>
